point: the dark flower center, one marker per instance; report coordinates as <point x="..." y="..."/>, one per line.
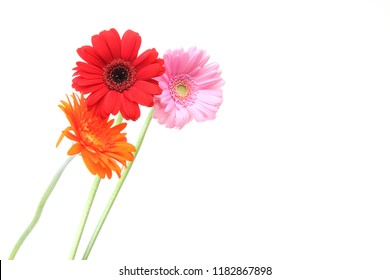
<point x="119" y="75"/>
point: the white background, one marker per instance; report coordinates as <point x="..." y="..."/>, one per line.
<point x="293" y="173"/>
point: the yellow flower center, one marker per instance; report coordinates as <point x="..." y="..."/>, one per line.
<point x="93" y="134"/>
<point x="181" y="90"/>
<point x="92" y="139"/>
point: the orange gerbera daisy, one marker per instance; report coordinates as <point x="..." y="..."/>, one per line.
<point x="100" y="145"/>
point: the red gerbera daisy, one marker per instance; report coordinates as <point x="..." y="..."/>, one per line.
<point x="115" y="77"/>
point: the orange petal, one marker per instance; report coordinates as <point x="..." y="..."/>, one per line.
<point x="75" y="149"/>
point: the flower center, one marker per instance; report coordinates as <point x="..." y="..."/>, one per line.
<point x="93" y="133"/>
<point x="183" y="89"/>
<point x="119" y="75"/>
<point x="92" y="140"/>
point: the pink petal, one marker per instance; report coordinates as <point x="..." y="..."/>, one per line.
<point x="182" y="63"/>
<point x="196" y="114"/>
<point x="212" y="97"/>
<point x="170" y="106"/>
<point x="174" y="62"/>
<point x="182" y="118"/>
<point x="170" y="120"/>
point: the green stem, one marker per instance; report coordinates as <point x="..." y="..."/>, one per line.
<point x="84" y="217"/>
<point x="88" y="206"/>
<point x="118" y="187"/>
<point x="40" y="207"/>
<point x="119" y="119"/>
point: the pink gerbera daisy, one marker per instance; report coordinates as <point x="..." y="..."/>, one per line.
<point x="191" y="88"/>
<point x="115" y="77"/>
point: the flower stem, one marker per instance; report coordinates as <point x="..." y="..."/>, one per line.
<point x="84" y="217"/>
<point x="119" y="119"/>
<point x="40" y="207"/>
<point x="118" y="187"/>
<point x="87" y="207"/>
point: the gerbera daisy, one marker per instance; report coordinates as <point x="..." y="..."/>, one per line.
<point x="191" y="88"/>
<point x="115" y="77"/>
<point x="100" y="145"/>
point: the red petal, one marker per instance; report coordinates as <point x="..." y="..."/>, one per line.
<point x="113" y="41"/>
<point x="75" y="84"/>
<point x="101" y="48"/>
<point x="148" y="87"/>
<point x="150" y="71"/>
<point x="84" y="89"/>
<point x="99" y="109"/>
<point x="139" y="96"/>
<point x="88" y="82"/>
<point x="89" y="54"/>
<point x="112" y="102"/>
<point x="90" y="76"/>
<point x="91" y="89"/>
<point x="94" y="97"/>
<point x="131" y="42"/>
<point x="89" y="68"/>
<point x="129" y="109"/>
<point x="146" y="58"/>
